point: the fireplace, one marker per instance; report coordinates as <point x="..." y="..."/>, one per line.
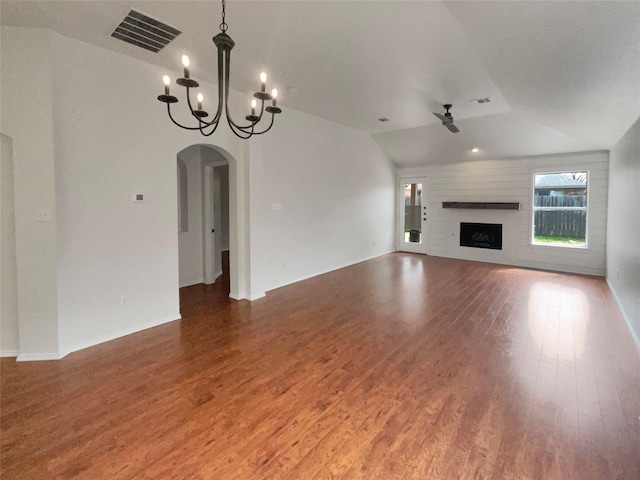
<point x="481" y="235"/>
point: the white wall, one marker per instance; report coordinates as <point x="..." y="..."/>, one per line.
<point x="623" y="228"/>
<point x="27" y="117"/>
<point x="511" y="181"/>
<point x="99" y="119"/>
<point x="336" y="190"/>
<point x="9" y="334"/>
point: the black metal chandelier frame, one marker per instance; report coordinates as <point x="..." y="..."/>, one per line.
<point x="224" y="44"/>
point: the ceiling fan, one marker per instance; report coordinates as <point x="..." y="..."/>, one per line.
<point x="447" y="119"/>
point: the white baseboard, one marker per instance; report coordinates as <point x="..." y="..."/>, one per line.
<point x="122" y="333"/>
<point x="9" y="353"/>
<point x="545" y="267"/>
<point x="236" y="296"/>
<point x="32" y="357"/>
<point x="624" y="315"/>
<point x="37" y="357"/>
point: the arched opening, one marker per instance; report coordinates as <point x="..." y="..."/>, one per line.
<point x="207" y="218"/>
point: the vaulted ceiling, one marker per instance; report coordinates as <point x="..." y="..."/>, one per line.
<point x="561" y="76"/>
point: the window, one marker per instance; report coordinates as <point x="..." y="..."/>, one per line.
<point x="560" y="209"/>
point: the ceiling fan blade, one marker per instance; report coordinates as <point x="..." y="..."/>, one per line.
<point x="441" y="117"/>
<point x="452" y="128"/>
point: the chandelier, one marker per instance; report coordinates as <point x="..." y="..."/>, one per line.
<point x="224" y="44"/>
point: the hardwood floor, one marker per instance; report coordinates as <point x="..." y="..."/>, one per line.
<point x="401" y="367"/>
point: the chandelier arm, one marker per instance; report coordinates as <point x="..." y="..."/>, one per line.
<point x="189" y="102"/>
<point x="227" y="63"/>
<point x="204" y="134"/>
<point x="258" y="133"/>
<point x="265" y="130"/>
<point x="220" y="84"/>
<point x="200" y="120"/>
<point x="204" y="127"/>
<point x="178" y="124"/>
<point x="202" y="124"/>
<point x="268" y="128"/>
<point x="261" y="111"/>
<point x="235" y="129"/>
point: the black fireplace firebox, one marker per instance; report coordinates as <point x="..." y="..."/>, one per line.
<point x="481" y="235"/>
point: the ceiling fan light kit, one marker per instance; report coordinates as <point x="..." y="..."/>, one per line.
<point x="224" y="44"/>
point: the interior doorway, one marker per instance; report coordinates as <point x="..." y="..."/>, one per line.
<point x="215" y="220"/>
<point x="204" y="218"/>
<point x="412" y="215"/>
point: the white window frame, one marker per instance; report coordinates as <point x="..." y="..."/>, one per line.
<point x="534" y="208"/>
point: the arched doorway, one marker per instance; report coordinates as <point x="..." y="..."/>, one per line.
<point x="207" y="216"/>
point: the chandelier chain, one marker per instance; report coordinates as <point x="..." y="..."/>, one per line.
<point x="223" y="25"/>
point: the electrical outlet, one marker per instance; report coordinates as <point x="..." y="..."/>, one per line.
<point x="124" y="301"/>
<point x="618" y="274"/>
<point x="375" y="242"/>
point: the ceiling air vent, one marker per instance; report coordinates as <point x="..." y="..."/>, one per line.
<point x="481" y="100"/>
<point x="145" y="32"/>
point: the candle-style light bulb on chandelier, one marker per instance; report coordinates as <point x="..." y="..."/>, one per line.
<point x="224" y="44"/>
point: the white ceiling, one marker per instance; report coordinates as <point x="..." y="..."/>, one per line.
<point x="562" y="76"/>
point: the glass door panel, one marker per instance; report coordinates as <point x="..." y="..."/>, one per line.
<point x="412" y="216"/>
<point x="412" y="207"/>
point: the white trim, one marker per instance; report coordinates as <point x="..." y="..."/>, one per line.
<point x="251" y="298"/>
<point x="542" y="266"/>
<point x="36" y="357"/>
<point x="532" y="193"/>
<point x="208" y="236"/>
<point x="624" y="315"/>
<point x="121" y="333"/>
<point x="9" y="353"/>
<point x="191" y="283"/>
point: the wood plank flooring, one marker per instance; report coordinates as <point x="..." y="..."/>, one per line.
<point x="401" y="367"/>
